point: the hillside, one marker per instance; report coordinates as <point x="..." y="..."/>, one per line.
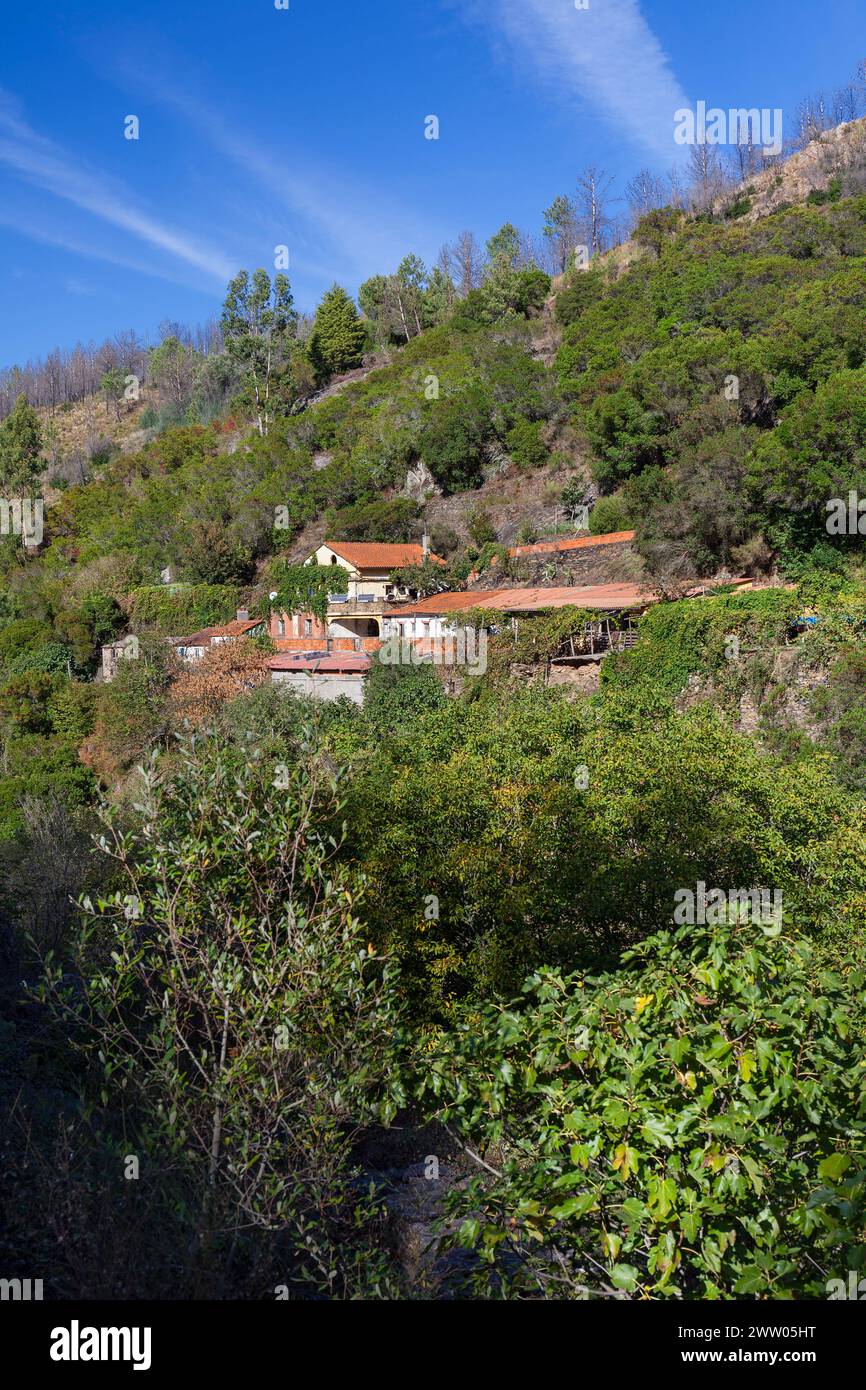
<point x="496" y="983"/>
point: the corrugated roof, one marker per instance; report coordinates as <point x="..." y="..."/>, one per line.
<point x="608" y="597"/>
<point x="373" y="555"/>
<point x="320" y="661"/>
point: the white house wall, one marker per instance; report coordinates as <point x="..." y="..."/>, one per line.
<point x="323" y="685"/>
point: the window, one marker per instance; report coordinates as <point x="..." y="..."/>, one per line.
<point x="308" y="627"/>
<point x="281" y="627"/>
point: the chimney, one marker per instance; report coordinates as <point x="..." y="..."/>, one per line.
<point x="243" y="615"/>
<point x="425" y="544"/>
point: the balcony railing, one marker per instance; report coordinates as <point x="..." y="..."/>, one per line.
<point x="360" y="607"/>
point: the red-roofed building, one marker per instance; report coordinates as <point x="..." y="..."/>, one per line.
<point x="615" y="608"/>
<point x="362" y="589"/>
<point x="191" y="649"/>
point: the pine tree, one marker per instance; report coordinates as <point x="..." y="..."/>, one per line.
<point x="339" y="335"/>
<point x="20" y="449"/>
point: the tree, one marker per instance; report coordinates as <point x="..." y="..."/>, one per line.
<point x="210" y="555"/>
<point x="20" y="449"/>
<point x="644" y="193"/>
<point x="438" y="299"/>
<point x="409" y="285"/>
<point x="503" y="251"/>
<point x="465" y="261"/>
<point x="395" y="304"/>
<point x="423" y="580"/>
<point x="371" y="299"/>
<point x="706" y="177"/>
<point x="560" y="229"/>
<point x="686" y="1126"/>
<point x="452" y="440"/>
<point x="338" y="337"/>
<point x="112" y="385"/>
<point x="593" y="189"/>
<point x="171" y="369"/>
<point x="239" y="1031"/>
<point x="259" y="324"/>
<point x="226" y="671"/>
<point x="399" y="694"/>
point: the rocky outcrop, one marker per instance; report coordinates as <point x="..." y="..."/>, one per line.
<point x="420" y="483"/>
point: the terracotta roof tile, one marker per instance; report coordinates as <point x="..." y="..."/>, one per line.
<point x="373" y="555"/>
<point x="237" y="627"/>
<point x="205" y="636"/>
<point x="580" y="543"/>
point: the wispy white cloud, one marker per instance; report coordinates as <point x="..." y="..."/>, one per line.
<point x="336" y="224"/>
<point x="607" y="57"/>
<point x="46" y="165"/>
<point x="51" y="235"/>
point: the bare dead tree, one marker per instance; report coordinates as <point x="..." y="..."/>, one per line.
<point x="676" y="189"/>
<point x="644" y="193"/>
<point x="466" y="263"/>
<point x="593" y="199"/>
<point x="705" y="175"/>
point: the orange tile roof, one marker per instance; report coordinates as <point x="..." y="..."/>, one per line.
<point x="236" y="628"/>
<point x="612" y="598"/>
<point x="580" y="543"/>
<point x="376" y="556"/>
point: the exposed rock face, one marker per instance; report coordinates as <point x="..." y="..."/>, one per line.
<point x="577" y="680"/>
<point x="834" y="153"/>
<point x="609" y="564"/>
<point x="782" y="699"/>
<point x="420" y="483"/>
<point x="582" y="680"/>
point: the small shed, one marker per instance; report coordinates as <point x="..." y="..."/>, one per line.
<point x="321" y="675"/>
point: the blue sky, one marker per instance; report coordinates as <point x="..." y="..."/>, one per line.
<point x="305" y="127"/>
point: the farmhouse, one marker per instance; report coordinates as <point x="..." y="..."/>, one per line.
<point x="362" y="588"/>
<point x="124" y="649"/>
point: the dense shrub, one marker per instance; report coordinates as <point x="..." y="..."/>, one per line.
<point x="688" y="1126"/>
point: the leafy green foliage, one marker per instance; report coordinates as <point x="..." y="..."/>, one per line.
<point x="258" y="324"/>
<point x="305" y="588"/>
<point x="688" y="1126"/>
<point x="239" y="986"/>
<point x="20" y="450"/>
<point x="179" y="609"/>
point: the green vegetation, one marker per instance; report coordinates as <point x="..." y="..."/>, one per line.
<point x="454" y="905"/>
